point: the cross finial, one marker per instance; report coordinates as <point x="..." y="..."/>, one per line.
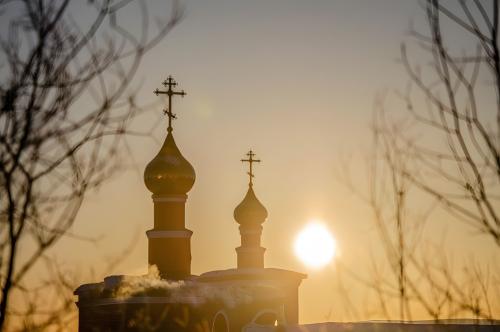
<point x="170" y="83"/>
<point x="250" y="162"/>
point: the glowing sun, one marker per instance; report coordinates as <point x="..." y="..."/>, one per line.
<point x="315" y="245"/>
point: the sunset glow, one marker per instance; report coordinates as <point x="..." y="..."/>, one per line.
<point x="245" y="166"/>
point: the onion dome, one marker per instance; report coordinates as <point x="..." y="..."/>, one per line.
<point x="169" y="172"/>
<point x="250" y="210"/>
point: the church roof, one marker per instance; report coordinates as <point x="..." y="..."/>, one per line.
<point x="169" y="172"/>
<point x="250" y="210"/>
<point x="251" y="274"/>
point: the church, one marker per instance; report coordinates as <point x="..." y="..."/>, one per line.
<point x="169" y="298"/>
<point x="249" y="297"/>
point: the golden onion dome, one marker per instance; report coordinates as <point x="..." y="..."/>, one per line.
<point x="169" y="172"/>
<point x="250" y="210"/>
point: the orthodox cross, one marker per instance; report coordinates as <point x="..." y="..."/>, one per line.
<point x="170" y="83"/>
<point x="250" y="162"/>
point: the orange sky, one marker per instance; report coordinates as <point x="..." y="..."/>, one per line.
<point x="293" y="80"/>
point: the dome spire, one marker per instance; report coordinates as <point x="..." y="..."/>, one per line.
<point x="250" y="214"/>
<point x="169" y="176"/>
<point x="250" y="162"/>
<point x="169" y="172"/>
<point x="170" y="83"/>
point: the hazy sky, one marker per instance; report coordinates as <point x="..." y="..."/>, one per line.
<point x="293" y="80"/>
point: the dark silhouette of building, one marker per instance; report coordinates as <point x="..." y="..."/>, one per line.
<point x="395" y="326"/>
<point x="170" y="298"/>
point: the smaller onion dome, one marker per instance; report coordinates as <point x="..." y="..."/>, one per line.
<point x="169" y="172"/>
<point x="250" y="210"/>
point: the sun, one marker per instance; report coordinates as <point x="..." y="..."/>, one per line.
<point x="315" y="245"/>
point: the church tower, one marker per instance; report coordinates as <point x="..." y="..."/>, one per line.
<point x="250" y="214"/>
<point x="236" y="299"/>
<point x="169" y="176"/>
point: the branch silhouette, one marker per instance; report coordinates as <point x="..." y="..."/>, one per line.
<point x="55" y="145"/>
<point x="443" y="152"/>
